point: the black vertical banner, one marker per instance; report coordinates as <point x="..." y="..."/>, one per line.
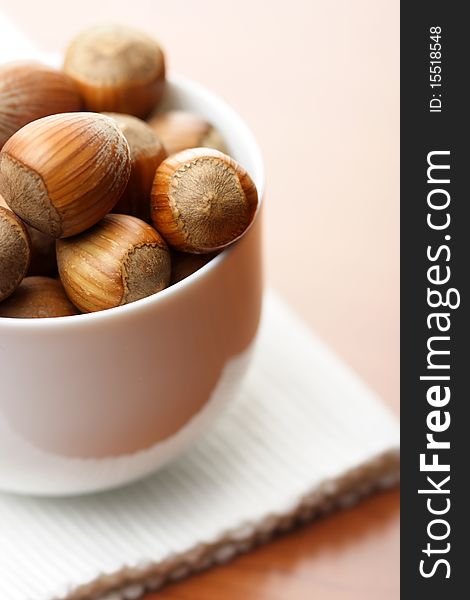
<point x="435" y="270"/>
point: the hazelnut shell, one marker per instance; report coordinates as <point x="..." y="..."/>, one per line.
<point x="43" y="261"/>
<point x="63" y="173"/>
<point x="29" y="91"/>
<point x="119" y="260"/>
<point x="117" y="69"/>
<point x="38" y="297"/>
<point x="147" y="152"/>
<point x="15" y="252"/>
<point x="202" y="200"/>
<point x="183" y="264"/>
<point x="180" y="130"/>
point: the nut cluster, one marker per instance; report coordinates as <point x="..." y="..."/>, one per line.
<point x="99" y="208"/>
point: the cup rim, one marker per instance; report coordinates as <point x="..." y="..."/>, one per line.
<point x="102" y="316"/>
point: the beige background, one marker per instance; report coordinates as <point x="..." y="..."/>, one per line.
<point x="318" y="82"/>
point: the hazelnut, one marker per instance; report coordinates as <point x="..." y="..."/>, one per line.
<point x="43" y="261"/>
<point x="183" y="264"/>
<point x="38" y="297"/>
<point x="202" y="200"/>
<point x="63" y="173"/>
<point x="29" y="91"/>
<point x="117" y="69"/>
<point x="180" y="130"/>
<point x="119" y="260"/>
<point x="15" y="252"/>
<point x="147" y="152"/>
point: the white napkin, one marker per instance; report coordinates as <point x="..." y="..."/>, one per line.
<point x="303" y="436"/>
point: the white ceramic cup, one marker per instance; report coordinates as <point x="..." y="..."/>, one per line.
<point x="94" y="401"/>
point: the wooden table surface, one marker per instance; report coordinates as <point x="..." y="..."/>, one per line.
<point x="351" y="555"/>
<point x="318" y="82"/>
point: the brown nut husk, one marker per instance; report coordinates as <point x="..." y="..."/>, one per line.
<point x="43" y="261"/>
<point x="117" y="69"/>
<point x="15" y="252"/>
<point x="38" y="298"/>
<point x="202" y="200"/>
<point x="63" y="173"/>
<point x="147" y="152"/>
<point x="29" y="91"/>
<point x="120" y="260"/>
<point x="180" y="130"/>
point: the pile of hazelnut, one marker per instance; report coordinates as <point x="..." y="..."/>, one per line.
<point x="98" y="207"/>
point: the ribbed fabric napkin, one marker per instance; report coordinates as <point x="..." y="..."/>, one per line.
<point x="303" y="436"/>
